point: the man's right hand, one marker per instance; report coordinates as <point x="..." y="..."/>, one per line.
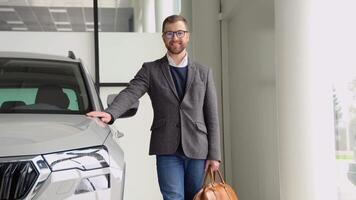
<point x="103" y="116"/>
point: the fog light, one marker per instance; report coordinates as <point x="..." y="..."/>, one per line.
<point x="93" y="183"/>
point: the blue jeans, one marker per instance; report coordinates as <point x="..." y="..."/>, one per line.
<point x="179" y="177"/>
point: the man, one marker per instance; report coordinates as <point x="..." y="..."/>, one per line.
<point x="185" y="131"/>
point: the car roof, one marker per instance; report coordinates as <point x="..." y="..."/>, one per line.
<point x="41" y="56"/>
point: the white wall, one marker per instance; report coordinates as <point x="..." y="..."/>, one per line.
<point x="121" y="56"/>
<point x="251" y="74"/>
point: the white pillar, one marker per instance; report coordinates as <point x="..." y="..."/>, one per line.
<point x="137" y="7"/>
<point x="304" y="62"/>
<point x="163" y="9"/>
<point x="148" y="16"/>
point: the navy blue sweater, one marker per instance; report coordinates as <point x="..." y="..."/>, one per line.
<point x="179" y="75"/>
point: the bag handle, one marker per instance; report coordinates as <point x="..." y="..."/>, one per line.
<point x="210" y="174"/>
<point x="220" y="176"/>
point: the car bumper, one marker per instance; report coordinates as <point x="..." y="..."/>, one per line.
<point x="77" y="184"/>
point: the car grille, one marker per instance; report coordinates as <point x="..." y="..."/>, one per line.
<point x="16" y="179"/>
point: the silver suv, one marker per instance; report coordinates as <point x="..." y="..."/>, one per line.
<point x="49" y="149"/>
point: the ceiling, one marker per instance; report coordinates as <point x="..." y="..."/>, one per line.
<point x="65" y="15"/>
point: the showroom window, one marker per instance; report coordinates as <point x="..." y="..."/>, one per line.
<point x="78" y="15"/>
<point x="344" y="100"/>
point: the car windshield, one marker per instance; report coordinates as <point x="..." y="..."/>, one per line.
<point x="42" y="86"/>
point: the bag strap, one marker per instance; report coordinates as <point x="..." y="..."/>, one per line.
<point x="210" y="174"/>
<point x="220" y="176"/>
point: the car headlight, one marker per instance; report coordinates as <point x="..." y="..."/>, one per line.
<point x="82" y="159"/>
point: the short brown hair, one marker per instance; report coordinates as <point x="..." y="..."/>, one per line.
<point x="173" y="19"/>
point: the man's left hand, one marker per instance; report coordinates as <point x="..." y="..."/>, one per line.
<point x="214" y="164"/>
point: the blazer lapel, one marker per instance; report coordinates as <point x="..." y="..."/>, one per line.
<point x="167" y="74"/>
<point x="190" y="76"/>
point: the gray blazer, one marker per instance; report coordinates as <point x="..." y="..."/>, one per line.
<point x="193" y="121"/>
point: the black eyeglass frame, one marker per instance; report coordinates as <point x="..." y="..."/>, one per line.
<point x="174" y="33"/>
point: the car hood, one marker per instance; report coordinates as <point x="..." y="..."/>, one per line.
<point x="33" y="134"/>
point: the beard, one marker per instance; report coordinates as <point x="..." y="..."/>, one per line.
<point x="175" y="49"/>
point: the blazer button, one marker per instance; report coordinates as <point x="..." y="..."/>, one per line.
<point x="178" y="125"/>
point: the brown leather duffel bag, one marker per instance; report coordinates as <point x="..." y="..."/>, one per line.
<point x="215" y="190"/>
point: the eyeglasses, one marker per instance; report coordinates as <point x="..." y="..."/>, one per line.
<point x="170" y="34"/>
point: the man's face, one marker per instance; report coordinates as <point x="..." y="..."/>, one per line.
<point x="176" y="44"/>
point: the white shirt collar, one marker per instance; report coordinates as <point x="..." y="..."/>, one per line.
<point x="184" y="62"/>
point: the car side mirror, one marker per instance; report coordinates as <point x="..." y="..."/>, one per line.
<point x="110" y="99"/>
<point x="130" y="112"/>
